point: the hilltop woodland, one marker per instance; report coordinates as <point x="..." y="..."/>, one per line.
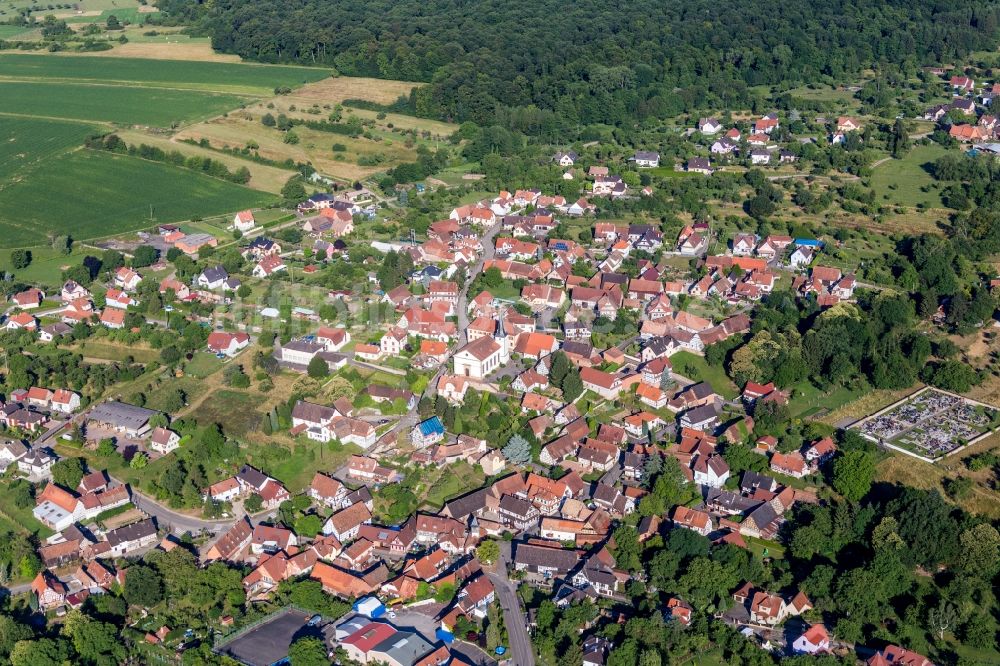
<point x="543" y="68"/>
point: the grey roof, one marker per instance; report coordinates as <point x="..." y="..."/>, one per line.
<point x="252" y="476"/>
<point x="516" y="506"/>
<point x="133" y="532"/>
<point x="57" y="328"/>
<point x="729" y="501"/>
<point x="304" y="346"/>
<point x="700" y="390"/>
<point x="261" y="243"/>
<point x="660" y="345"/>
<point x="404" y="647"/>
<point x="466" y="505"/>
<point x="38" y="456"/>
<point x="313" y="413"/>
<point x="121" y="414"/>
<point x="700" y="414"/>
<point x="14" y="447"/>
<point x="752" y="480"/>
<point x="578" y="348"/>
<point x="646" y="155"/>
<point x="605" y="493"/>
<point x="215" y="274"/>
<point x="698" y="163"/>
<point x="763" y="515"/>
<point x="560" y="559"/>
<point x="360" y="496"/>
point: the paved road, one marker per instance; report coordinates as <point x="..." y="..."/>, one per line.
<point x="177" y="522"/>
<point x="489" y="250"/>
<point x="521" y="651"/>
<point x="410" y="419"/>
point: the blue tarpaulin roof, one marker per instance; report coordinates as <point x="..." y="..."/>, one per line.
<point x="431" y="426"/>
<point x="444" y="636"/>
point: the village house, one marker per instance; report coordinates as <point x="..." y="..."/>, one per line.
<point x="228" y="344"/>
<point x="692" y="519"/>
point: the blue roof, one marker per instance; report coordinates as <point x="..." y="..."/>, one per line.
<point x="431" y="426"/>
<point x="444" y="636"/>
<point x="808" y="242"/>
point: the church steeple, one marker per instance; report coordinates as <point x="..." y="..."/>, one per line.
<point x="502" y="338"/>
<point x="499" y="331"/>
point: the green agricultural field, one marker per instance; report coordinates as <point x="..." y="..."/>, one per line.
<point x="27" y="144"/>
<point x="101" y="194"/>
<point x="217" y="76"/>
<point x="903" y="180"/>
<point x="131" y="105"/>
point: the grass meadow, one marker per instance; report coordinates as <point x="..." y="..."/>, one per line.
<point x="904" y="181"/>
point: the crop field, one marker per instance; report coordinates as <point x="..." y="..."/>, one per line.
<point x="101" y="194"/>
<point x="165" y="46"/>
<point x="259" y="80"/>
<point x="112" y="103"/>
<point x="12" y="31"/>
<point x="50" y="103"/>
<point x="28" y="143"/>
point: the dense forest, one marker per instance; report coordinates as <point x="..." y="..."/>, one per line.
<point x="535" y="65"/>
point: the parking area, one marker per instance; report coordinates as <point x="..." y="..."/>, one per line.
<point x="421" y="619"/>
<point x="268" y="643"/>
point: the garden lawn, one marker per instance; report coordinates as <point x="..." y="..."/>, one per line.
<point x="95" y="194"/>
<point x="296" y="465"/>
<point x="758" y="546"/>
<point x="202" y="365"/>
<point x="809" y="400"/>
<point x="22" y="518"/>
<point x="454" y="480"/>
<point x="695" y="368"/>
<point x="114" y="351"/>
<point x="45" y="269"/>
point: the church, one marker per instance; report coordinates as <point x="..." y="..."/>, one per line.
<point x="481" y="357"/>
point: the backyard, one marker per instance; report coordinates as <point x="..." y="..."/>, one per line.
<point x="697" y="369"/>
